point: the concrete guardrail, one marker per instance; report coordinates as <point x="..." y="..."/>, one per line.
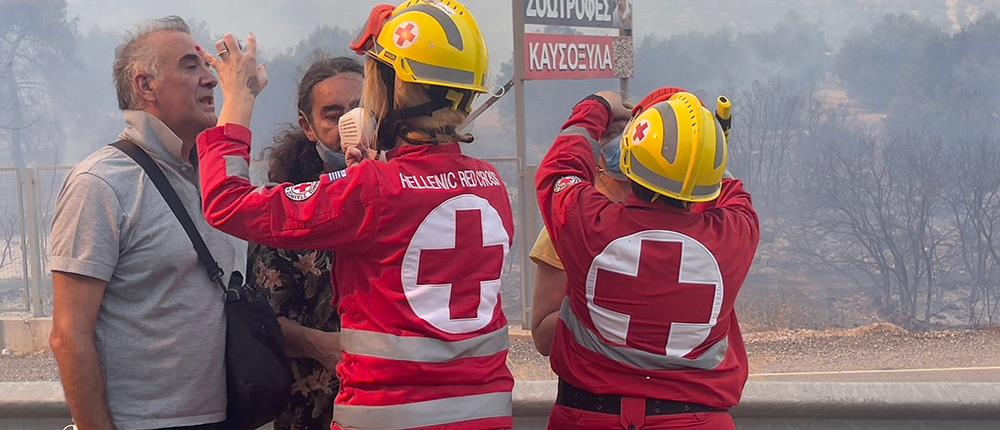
<point x="761" y="399"/>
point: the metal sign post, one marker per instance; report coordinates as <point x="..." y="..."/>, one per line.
<point x="625" y="34"/>
<point x="523" y="193"/>
<point x="540" y="56"/>
<point x="34" y="239"/>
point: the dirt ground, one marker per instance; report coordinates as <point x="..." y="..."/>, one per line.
<point x="871" y="347"/>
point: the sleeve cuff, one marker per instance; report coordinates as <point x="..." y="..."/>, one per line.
<point x="551" y="260"/>
<point x="599" y="99"/>
<point x="80" y="267"/>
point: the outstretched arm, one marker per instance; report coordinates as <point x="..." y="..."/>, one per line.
<point x="282" y="216"/>
<point x="572" y="159"/>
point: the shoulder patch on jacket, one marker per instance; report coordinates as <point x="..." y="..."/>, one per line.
<point x="303" y="191"/>
<point x="566" y="182"/>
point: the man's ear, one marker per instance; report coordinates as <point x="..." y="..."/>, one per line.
<point x="307" y="127"/>
<point x="143" y="84"/>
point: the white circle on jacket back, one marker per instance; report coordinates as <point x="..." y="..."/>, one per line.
<point x="452" y="267"/>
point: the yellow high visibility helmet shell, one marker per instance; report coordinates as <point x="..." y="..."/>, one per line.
<point x="434" y="42"/>
<point x="676" y="148"/>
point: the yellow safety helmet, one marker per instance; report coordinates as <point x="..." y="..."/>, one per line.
<point x="433" y="42"/>
<point x="676" y="148"/>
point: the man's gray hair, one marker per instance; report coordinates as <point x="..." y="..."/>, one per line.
<point x="135" y="56"/>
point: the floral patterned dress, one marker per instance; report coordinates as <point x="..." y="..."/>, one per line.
<point x="299" y="287"/>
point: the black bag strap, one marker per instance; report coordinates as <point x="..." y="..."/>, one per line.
<point x="166" y="190"/>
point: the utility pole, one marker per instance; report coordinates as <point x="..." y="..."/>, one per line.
<point x="623" y="82"/>
<point x="524" y="192"/>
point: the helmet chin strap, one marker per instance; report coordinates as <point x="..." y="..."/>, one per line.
<point x="440" y="98"/>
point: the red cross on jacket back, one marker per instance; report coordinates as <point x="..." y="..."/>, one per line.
<point x="420" y="242"/>
<point x="651" y="287"/>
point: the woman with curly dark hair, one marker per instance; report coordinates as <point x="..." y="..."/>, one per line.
<point x="297" y="282"/>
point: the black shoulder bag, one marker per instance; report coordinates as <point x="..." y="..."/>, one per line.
<point x="258" y="379"/>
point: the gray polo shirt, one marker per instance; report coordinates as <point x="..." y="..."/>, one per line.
<point x="160" y="332"/>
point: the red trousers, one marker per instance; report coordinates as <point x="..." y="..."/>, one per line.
<point x="633" y="417"/>
<point x="486" y="424"/>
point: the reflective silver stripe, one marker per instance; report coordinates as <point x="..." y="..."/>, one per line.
<point x="705" y="190"/>
<point x="236" y="166"/>
<point x="667" y="184"/>
<point x="595" y="146"/>
<point x="651" y="177"/>
<point x="450" y="29"/>
<point x="670" y="136"/>
<point x="709" y="360"/>
<point x="421" y="349"/>
<point x="422" y="414"/>
<point x="267" y="185"/>
<point x="441" y="74"/>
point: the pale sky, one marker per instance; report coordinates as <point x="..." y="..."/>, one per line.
<point x="280" y="24"/>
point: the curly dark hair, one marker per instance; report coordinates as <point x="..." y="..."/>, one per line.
<point x="293" y="157"/>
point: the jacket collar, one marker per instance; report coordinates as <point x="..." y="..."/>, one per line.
<point x="634" y="202"/>
<point x="408" y="150"/>
<point x="154" y="137"/>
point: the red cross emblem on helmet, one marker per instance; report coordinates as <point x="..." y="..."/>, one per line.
<point x="640" y="131"/>
<point x="406" y="34"/>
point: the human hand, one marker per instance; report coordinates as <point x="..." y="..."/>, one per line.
<point x="619" y="109"/>
<point x="240" y="77"/>
<point x="614" y="131"/>
<point x="354" y="155"/>
<point x="329" y="353"/>
<point x="301" y="342"/>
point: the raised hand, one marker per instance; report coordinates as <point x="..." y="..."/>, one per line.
<point x="240" y="77"/>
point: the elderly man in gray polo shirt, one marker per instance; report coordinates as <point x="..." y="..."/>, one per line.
<point x="138" y="327"/>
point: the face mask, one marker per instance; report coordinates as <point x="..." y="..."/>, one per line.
<point x="357" y="128"/>
<point x="333" y="159"/>
<point x="612" y="154"/>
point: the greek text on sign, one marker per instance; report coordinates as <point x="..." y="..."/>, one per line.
<point x="579" y="13"/>
<point x="564" y="56"/>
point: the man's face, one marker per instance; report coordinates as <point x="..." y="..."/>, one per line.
<point x="184" y="90"/>
<point x="331" y="98"/>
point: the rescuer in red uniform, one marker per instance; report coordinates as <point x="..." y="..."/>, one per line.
<point x="420" y="239"/>
<point x="647" y="335"/>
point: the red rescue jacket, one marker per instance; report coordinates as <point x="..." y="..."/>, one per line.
<point x="650" y="287"/>
<point x="421" y="242"/>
